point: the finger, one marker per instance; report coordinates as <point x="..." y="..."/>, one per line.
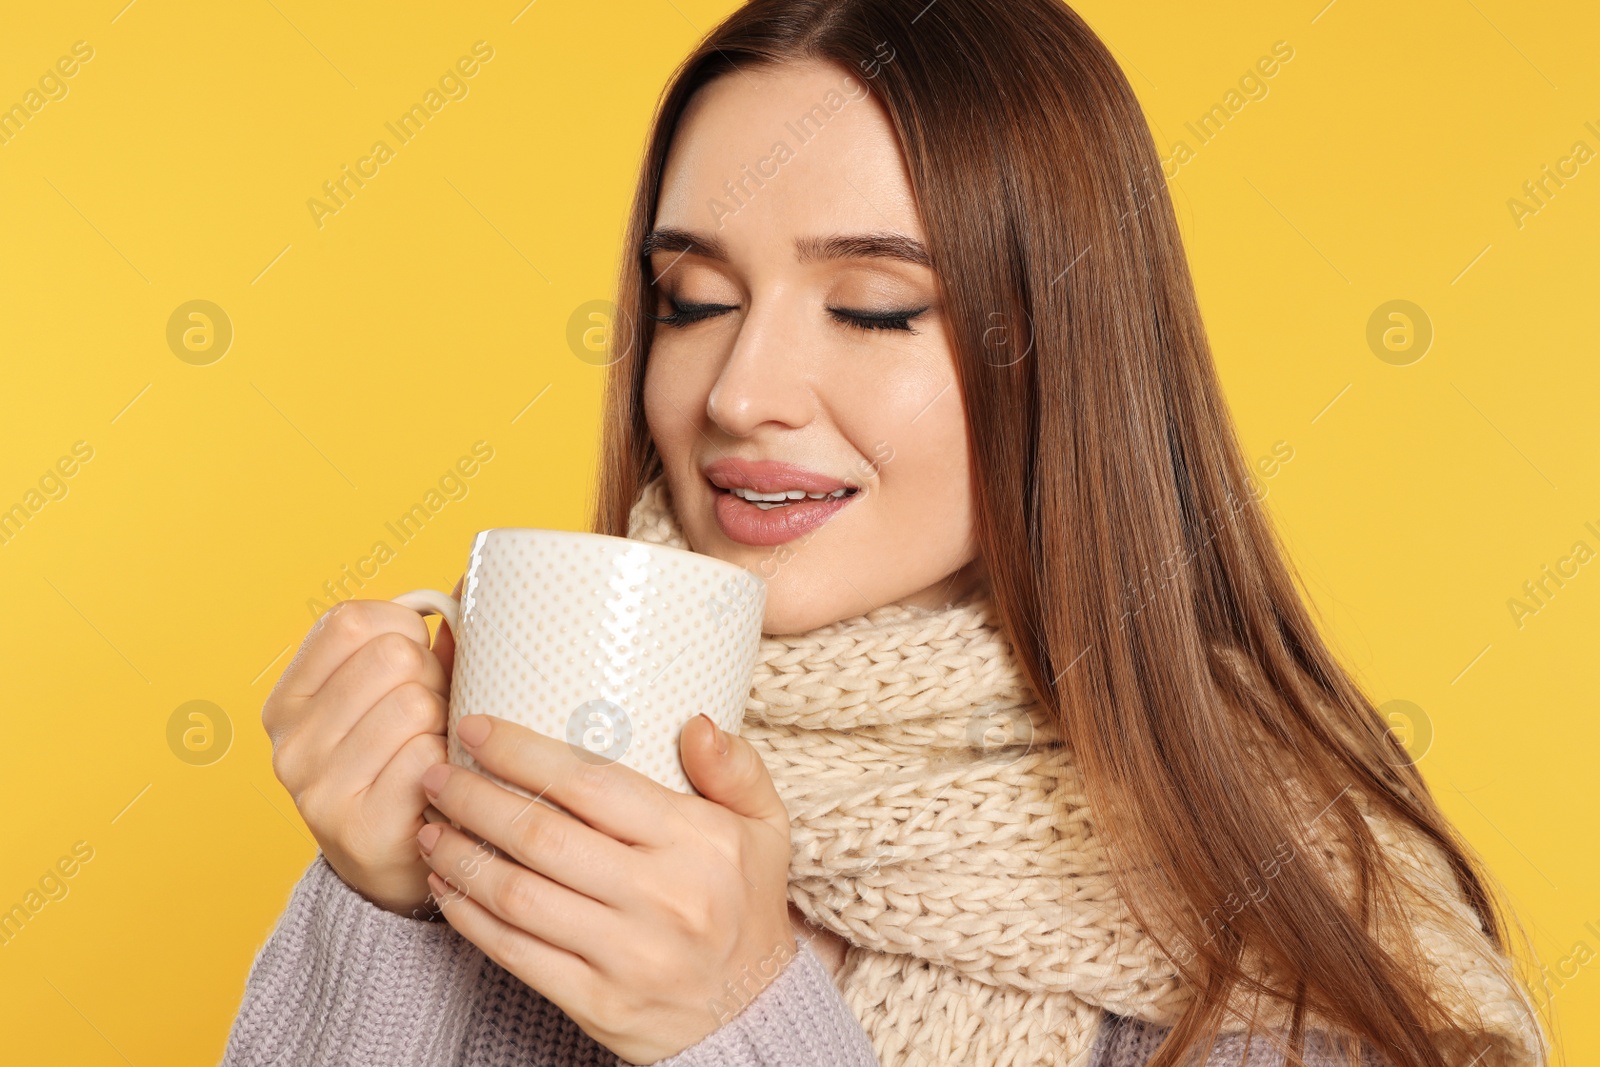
<point x="365" y="678"/>
<point x="551" y="971"/>
<point x="404" y="712"/>
<point x="539" y="838"/>
<point x="398" y="786"/>
<point x="336" y="635"/>
<point x="737" y="779"/>
<point x="610" y="796"/>
<point x="526" y="900"/>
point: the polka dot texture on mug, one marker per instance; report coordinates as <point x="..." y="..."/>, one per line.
<point x="608" y="643"/>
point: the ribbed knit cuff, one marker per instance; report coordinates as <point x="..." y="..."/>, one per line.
<point x="800" y="1019"/>
<point x="341" y="980"/>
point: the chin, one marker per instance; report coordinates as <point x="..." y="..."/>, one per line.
<point x="799" y="601"/>
<point x="785" y="617"/>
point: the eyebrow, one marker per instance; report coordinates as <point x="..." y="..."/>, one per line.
<point x="896" y="246"/>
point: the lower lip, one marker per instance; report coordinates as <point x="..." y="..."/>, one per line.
<point x="747" y="524"/>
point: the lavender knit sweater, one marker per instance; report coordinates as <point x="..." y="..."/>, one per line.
<point x="342" y="981"/>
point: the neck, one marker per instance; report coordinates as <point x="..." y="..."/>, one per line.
<point x="957" y="587"/>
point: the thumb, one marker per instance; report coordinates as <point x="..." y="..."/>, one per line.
<point x="737" y="779"/>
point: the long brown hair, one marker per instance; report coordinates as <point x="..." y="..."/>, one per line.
<point x="1138" y="578"/>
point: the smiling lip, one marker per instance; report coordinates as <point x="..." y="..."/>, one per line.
<point x="768" y="476"/>
<point x="748" y="524"/>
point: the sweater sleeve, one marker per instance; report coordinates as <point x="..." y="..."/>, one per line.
<point x="341" y="980"/>
<point x="800" y="1019"/>
<point x="1127" y="1042"/>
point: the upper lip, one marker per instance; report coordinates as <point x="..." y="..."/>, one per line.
<point x="769" y="476"/>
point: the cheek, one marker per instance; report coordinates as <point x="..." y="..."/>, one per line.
<point x="670" y="408"/>
<point x="925" y="479"/>
<point x="909" y="422"/>
<point x="652" y="408"/>
<point x="924" y="438"/>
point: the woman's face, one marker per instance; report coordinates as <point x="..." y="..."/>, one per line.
<point x="809" y="337"/>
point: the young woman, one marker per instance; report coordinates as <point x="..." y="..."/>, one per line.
<point x="1044" y="762"/>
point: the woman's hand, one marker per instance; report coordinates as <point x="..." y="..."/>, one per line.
<point x="355" y="720"/>
<point x="653" y="917"/>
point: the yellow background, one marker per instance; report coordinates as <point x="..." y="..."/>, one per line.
<point x="432" y="309"/>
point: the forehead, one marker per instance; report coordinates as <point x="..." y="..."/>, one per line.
<point x="773" y="153"/>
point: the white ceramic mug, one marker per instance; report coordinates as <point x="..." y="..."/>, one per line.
<point x="609" y="643"/>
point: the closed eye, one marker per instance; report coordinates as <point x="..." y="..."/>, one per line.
<point x="685" y="314"/>
<point x="878" y="320"/>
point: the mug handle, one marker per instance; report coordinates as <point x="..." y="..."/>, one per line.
<point x="432" y="602"/>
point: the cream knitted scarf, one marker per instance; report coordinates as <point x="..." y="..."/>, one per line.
<point x="940" y="827"/>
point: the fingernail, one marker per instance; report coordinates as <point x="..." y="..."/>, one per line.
<point x="472" y="729"/>
<point x="434" y="778"/>
<point x="428" y="836"/>
<point x="717" y="736"/>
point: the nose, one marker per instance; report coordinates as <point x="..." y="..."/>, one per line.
<point x="764" y="378"/>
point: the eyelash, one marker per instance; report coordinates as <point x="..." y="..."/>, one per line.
<point x="686" y="314"/>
